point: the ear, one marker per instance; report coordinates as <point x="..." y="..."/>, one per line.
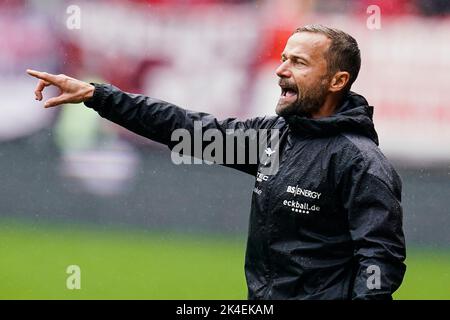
<point x="339" y="81"/>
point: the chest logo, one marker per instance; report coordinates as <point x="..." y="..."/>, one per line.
<point x="297" y="191"/>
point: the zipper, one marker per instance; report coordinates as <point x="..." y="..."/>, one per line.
<point x="269" y="268"/>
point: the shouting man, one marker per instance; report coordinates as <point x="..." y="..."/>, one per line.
<point x="328" y="223"/>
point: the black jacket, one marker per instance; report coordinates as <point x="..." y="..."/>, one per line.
<point x="330" y="217"/>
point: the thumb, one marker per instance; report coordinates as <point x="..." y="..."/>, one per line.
<point x="56" y="101"/>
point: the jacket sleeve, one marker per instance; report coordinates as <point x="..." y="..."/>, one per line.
<point x="157" y="120"/>
<point x="371" y="196"/>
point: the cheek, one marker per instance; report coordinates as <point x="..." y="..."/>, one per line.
<point x="304" y="79"/>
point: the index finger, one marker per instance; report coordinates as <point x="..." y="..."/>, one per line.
<point x="43" y="76"/>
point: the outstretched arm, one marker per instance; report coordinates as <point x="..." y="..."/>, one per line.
<point x="146" y="116"/>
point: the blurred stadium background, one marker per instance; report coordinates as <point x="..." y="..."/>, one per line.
<point x="77" y="190"/>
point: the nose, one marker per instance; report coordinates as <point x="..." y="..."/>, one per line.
<point x="283" y="70"/>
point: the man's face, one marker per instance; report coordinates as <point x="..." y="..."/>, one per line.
<point x="303" y="74"/>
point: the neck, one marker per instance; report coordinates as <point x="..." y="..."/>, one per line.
<point x="332" y="101"/>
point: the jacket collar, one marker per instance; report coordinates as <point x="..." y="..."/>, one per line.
<point x="354" y="115"/>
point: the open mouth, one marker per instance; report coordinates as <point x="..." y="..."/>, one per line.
<point x="288" y="93"/>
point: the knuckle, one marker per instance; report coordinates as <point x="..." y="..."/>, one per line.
<point x="63" y="80"/>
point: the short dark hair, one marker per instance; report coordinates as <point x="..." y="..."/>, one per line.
<point x="343" y="53"/>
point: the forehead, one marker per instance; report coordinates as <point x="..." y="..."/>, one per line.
<point x="313" y="45"/>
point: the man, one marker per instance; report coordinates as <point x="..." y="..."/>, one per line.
<point x="328" y="223"/>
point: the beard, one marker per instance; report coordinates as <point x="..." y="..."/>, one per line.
<point x="308" y="101"/>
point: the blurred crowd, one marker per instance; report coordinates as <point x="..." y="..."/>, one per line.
<point x="199" y="53"/>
